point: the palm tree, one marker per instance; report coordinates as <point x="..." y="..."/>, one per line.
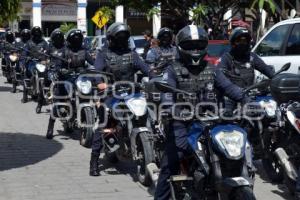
<point x="9" y="10"/>
<point x="66" y="27"/>
<point x="199" y="13"/>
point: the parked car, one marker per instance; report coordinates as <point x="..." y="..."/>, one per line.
<point x="215" y="50"/>
<point x="139" y="43"/>
<point x="2" y="32"/>
<point x="281" y="44"/>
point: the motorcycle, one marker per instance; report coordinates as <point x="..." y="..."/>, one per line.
<point x="128" y="133"/>
<point x="265" y="133"/>
<point x="32" y="79"/>
<point x="220" y="166"/>
<point x="75" y="108"/>
<point x="285" y="90"/>
<point x="15" y="71"/>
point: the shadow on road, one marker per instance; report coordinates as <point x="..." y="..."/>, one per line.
<point x="22" y="149"/>
<point x="75" y="135"/>
<point x="281" y="191"/>
<point x="5" y="89"/>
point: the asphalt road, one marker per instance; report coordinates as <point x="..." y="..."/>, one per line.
<point x="32" y="167"/>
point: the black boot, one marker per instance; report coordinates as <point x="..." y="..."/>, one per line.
<point x="38" y="108"/>
<point x="51" y="123"/>
<point x="94" y="165"/>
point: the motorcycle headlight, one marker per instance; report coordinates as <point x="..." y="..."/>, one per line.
<point x="232" y="142"/>
<point x="13" y="58"/>
<point x="84" y="86"/>
<point x="40" y="67"/>
<point x="269" y="106"/>
<point x="137" y="105"/>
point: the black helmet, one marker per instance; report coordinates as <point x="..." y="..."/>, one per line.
<point x="118" y="35"/>
<point x="74" y="39"/>
<point x="25" y="35"/>
<point x="241" y="50"/>
<point x="57" y="38"/>
<point x="192" y="42"/>
<point x="36" y="34"/>
<point x="10" y="37"/>
<point x="165" y="36"/>
<point x="239" y="32"/>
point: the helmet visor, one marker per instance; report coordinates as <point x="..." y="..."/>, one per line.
<point x="122" y="36"/>
<point x="194" y="45"/>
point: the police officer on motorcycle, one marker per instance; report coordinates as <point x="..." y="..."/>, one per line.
<point x="123" y="63"/>
<point x="56" y="48"/>
<point x="192" y="74"/>
<point x="165" y="51"/>
<point x="7" y="47"/>
<point x="235" y="72"/>
<point x="34" y="49"/>
<point x="75" y="56"/>
<point x="25" y="36"/>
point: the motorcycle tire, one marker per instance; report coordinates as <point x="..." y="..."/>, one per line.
<point x="14" y="87"/>
<point x="111" y="157"/>
<point x="25" y="96"/>
<point x="270" y="162"/>
<point x="145" y="157"/>
<point x="87" y="133"/>
<point x="290" y="184"/>
<point x="245" y="193"/>
<point x="273" y="169"/>
<point x="8" y="79"/>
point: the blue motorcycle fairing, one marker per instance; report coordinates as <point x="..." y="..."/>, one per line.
<point x="228" y="128"/>
<point x="263" y="98"/>
<point x="194" y="133"/>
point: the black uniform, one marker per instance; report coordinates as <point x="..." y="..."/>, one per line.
<point x="192" y="75"/>
<point x="123" y="63"/>
<point x="75" y="56"/>
<point x="236" y="71"/>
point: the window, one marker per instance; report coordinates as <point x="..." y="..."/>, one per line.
<point x="293" y="45"/>
<point x="271" y="44"/>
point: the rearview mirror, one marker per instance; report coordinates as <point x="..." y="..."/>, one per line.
<point x="283" y="69"/>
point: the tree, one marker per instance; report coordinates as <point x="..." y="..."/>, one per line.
<point x="65" y="27"/>
<point x="9" y="10"/>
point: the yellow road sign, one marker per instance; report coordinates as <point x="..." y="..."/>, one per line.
<point x="99" y="19"/>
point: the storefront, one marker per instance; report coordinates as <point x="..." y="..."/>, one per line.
<point x="53" y="14"/>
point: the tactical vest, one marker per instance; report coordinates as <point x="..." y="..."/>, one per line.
<point x="201" y="84"/>
<point x="240" y="73"/>
<point x="76" y="59"/>
<point x="121" y="65"/>
<point x="58" y="53"/>
<point x="164" y="55"/>
<point x="36" y="49"/>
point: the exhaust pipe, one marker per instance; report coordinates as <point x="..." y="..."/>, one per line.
<point x="153" y="171"/>
<point x="286" y="164"/>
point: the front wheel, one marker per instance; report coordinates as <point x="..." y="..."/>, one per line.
<point x="14" y="87"/>
<point x="87" y="133"/>
<point x="270" y="162"/>
<point x="8" y="79"/>
<point x="145" y="156"/>
<point x="245" y="193"/>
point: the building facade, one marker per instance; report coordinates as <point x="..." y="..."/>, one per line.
<point x="50" y="14"/>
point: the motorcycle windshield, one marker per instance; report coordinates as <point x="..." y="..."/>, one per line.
<point x="137" y="104"/>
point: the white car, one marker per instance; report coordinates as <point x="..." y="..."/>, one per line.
<point x="280" y="45"/>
